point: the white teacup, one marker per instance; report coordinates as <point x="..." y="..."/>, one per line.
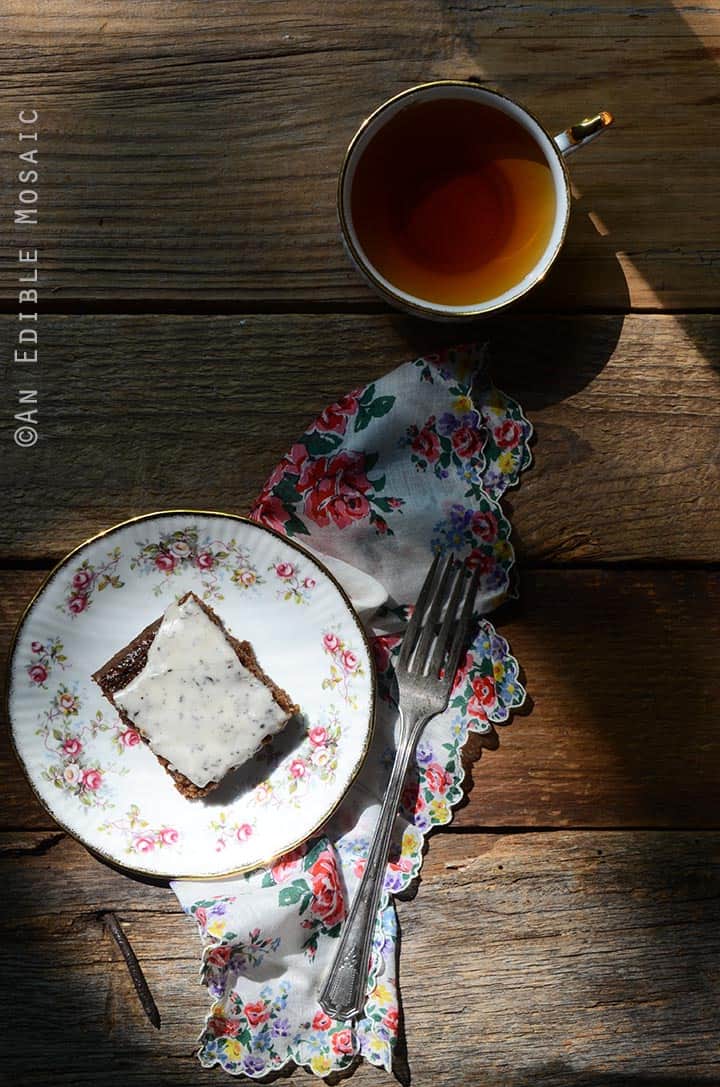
<point x="385" y="268"/>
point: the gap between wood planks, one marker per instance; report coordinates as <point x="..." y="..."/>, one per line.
<point x="307" y="306"/>
<point x="48" y="563"/>
<point x="49" y="839"/>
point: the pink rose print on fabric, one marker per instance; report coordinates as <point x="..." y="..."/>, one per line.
<point x="451" y="445"/>
<point x="323" y="482"/>
<point x="507" y="451"/>
<point x="508" y="434"/>
<point x="342" y="1042"/>
<point x="334" y="419"/>
<point x="328" y="904"/>
<point x="487" y="686"/>
<point x="383" y="646"/>
<point x="481" y="535"/>
<point x="335" y="490"/>
<point x="270" y="511"/>
<point x="426" y="443"/>
<point x="355" y="412"/>
<point x="288" y="866"/>
<point x="467" y="441"/>
<point x="484" y="525"/>
<point x="219" y="956"/>
<point x="256" y="1013"/>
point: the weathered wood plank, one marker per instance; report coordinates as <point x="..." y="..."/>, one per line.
<point x="142" y="413"/>
<point x="190" y="151"/>
<point x="554" y="959"/>
<point x="623" y="670"/>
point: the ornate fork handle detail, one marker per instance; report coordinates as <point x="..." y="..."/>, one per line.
<point x="344" y="991"/>
<point x="425" y="669"/>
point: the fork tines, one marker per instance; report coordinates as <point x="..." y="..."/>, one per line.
<point x="440" y="624"/>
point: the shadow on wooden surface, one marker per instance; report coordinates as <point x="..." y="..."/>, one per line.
<point x="615" y="730"/>
<point x="558" y="1072"/>
<point x="195" y="412"/>
<point x="562" y="959"/>
<point x="542" y="361"/>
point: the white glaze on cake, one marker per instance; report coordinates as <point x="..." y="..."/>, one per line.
<point x="199" y="707"/>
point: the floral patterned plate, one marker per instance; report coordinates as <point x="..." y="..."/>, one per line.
<point x="96" y="777"/>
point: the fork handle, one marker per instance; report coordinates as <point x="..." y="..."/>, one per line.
<point x="344" y="990"/>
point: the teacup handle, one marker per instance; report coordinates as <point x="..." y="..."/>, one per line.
<point x="572" y="139"/>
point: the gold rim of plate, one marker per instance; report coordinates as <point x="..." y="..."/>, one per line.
<point x="191" y="513"/>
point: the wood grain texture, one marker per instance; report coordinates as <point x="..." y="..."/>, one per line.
<point x="188" y="156"/>
<point x="623" y="672"/>
<point x="595" y="961"/>
<point x="155" y="412"/>
<point x="190" y="151"/>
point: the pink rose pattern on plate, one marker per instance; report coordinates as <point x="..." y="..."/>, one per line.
<point x="486" y="456"/>
<point x="315" y="760"/>
<point x="345" y="666"/>
<point x="296" y="584"/>
<point x="72" y="762"/>
<point x="46" y="656"/>
<point x="184" y="549"/>
<point x="227" y="832"/>
<point x="89" y="579"/>
<point x="140" y="837"/>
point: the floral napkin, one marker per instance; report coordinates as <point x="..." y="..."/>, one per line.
<point x="409" y="466"/>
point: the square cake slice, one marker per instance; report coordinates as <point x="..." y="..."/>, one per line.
<point x="196" y="695"/>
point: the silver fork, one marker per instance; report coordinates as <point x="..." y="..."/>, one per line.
<point x="422" y="693"/>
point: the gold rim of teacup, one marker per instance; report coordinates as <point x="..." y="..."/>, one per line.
<point x="398" y="298"/>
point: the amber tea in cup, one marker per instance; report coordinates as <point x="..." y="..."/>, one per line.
<point x="453" y="200"/>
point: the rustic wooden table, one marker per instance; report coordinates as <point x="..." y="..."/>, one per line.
<point x="197" y="310"/>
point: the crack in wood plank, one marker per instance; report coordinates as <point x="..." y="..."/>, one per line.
<point x="39" y="847"/>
